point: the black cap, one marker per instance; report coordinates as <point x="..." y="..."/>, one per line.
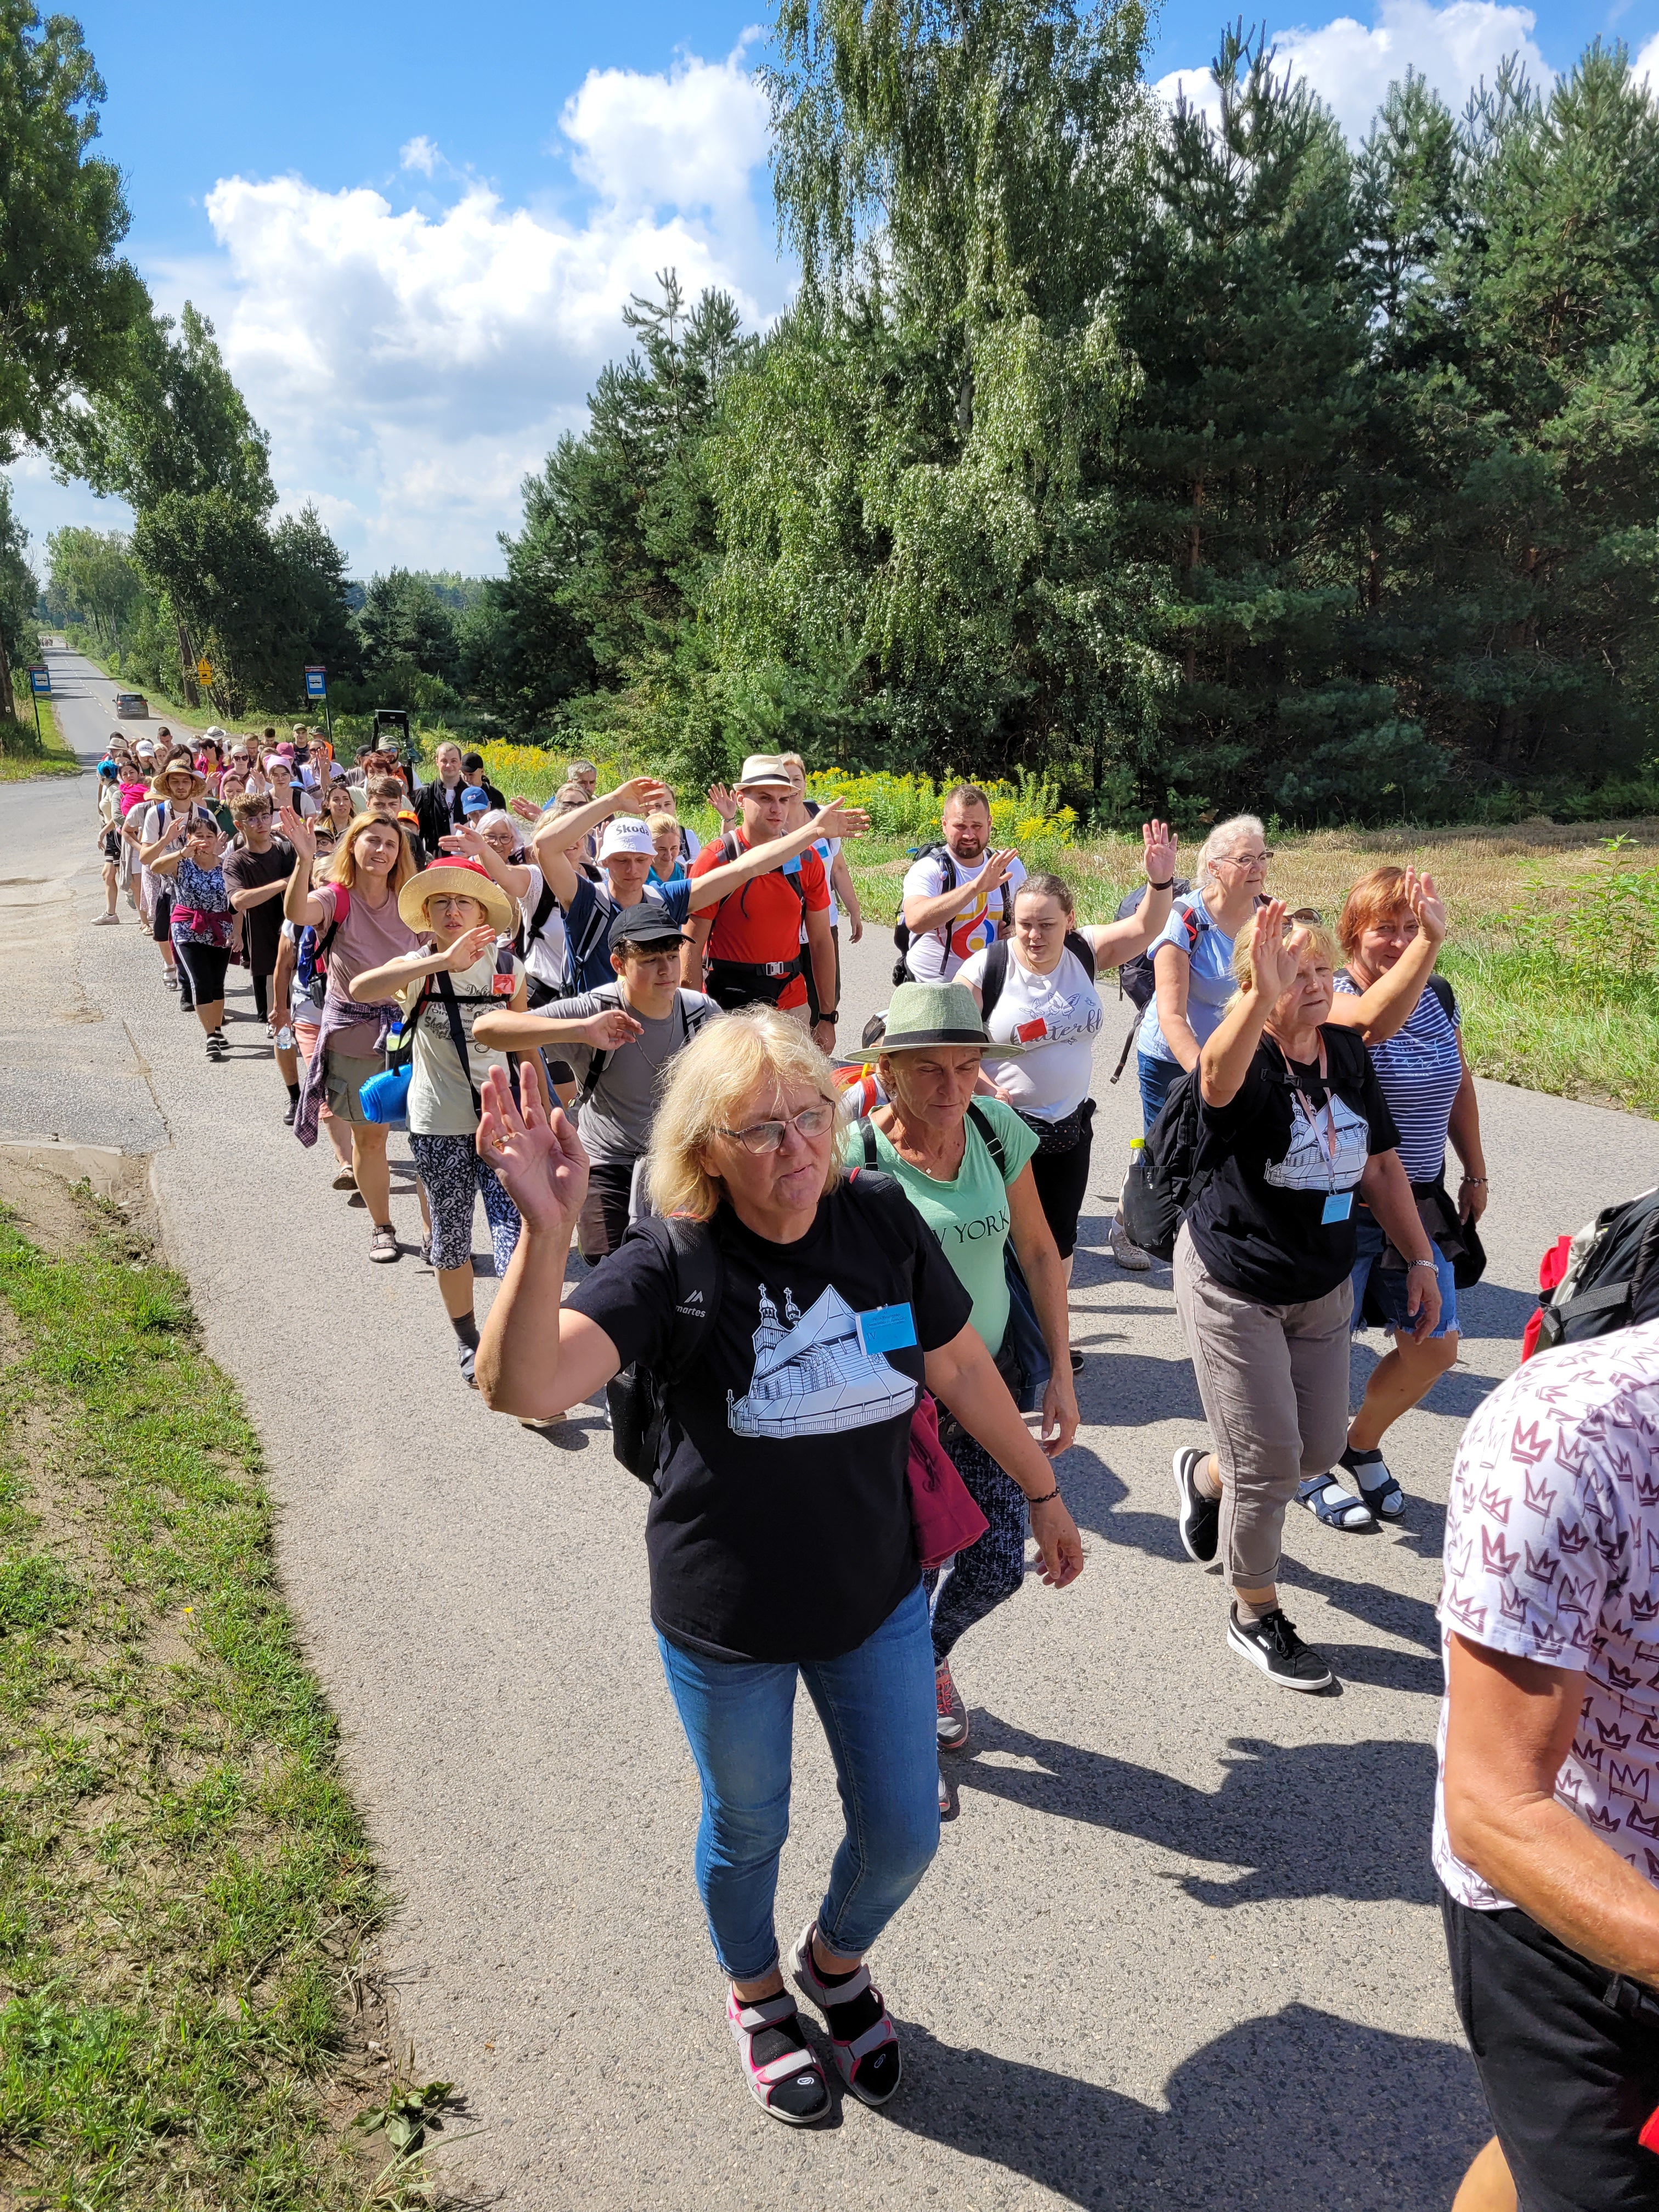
<point x="648" y="923"/>
<point x="472" y="762"/>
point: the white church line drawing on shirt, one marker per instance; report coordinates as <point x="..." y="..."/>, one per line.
<point x="812" y="1377"/>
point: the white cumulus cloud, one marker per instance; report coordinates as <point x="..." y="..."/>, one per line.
<point x="1351" y="66"/>
<point x="1645" y="67"/>
<point x="412" y="362"/>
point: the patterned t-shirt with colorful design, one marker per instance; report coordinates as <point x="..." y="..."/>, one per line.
<point x="1553" y="1554"/>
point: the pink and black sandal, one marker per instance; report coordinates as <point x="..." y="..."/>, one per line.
<point x="863" y="2040"/>
<point x="783" y="2071"/>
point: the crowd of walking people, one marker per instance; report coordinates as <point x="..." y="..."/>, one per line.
<point x="823" y="1291"/>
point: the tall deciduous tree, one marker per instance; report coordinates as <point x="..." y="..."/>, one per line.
<point x="67" y="299"/>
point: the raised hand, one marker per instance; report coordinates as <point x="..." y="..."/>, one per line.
<point x="1159" y="842"/>
<point x="541" y="1163"/>
<point x="835" y="818"/>
<point x="1421" y="897"/>
<point x="608" y="1031"/>
<point x="721" y="798"/>
<point x="469" y="946"/>
<point x="466" y="839"/>
<point x="642" y="794"/>
<point x="298" y="832"/>
<point x="526" y="808"/>
<point x="994" y="869"/>
<point x="1272" y="963"/>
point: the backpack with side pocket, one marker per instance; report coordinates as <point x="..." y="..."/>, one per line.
<point x="1608" y="1279"/>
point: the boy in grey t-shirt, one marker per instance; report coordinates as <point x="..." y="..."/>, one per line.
<point x="617" y="1086"/>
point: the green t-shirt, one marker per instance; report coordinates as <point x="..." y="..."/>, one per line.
<point x="969" y="1214"/>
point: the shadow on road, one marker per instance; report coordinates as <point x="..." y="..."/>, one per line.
<point x="1316" y="1819"/>
<point x="1376" y="2120"/>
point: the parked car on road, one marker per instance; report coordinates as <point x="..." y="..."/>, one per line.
<point x="131" y="706"/>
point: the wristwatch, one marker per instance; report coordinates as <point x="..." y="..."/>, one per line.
<point x="829" y="1014"/>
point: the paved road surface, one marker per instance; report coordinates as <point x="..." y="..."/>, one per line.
<point x="1180" y="1946"/>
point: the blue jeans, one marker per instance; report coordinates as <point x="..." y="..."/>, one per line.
<point x="1391" y="1284"/>
<point x="877" y="1706"/>
<point x="1158" y="1079"/>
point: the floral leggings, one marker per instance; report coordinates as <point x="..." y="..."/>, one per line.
<point x="978" y="1580"/>
<point x="455" y="1178"/>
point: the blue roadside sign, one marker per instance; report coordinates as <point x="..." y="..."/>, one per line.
<point x="316" y="683"/>
<point x="40" y="683"/>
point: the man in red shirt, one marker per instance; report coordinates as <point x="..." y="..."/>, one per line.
<point x="752" y="937"/>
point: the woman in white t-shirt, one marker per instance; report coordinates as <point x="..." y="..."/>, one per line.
<point x="1037" y="988"/>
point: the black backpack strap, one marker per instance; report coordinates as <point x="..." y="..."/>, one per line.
<point x="996" y="975"/>
<point x="538" y="920"/>
<point x="457" y="1033"/>
<point x="982" y="1122"/>
<point x="596" y="1067"/>
<point x="1447" y="998"/>
<point x="1082" y="952"/>
<point x="867" y="1132"/>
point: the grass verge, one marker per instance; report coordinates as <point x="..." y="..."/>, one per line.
<point x="23" y="759"/>
<point x="185" y="1884"/>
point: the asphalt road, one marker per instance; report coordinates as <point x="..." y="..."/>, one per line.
<point x="1180" y="1946"/>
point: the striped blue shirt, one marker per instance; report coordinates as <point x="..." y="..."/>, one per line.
<point x="1419" y="1069"/>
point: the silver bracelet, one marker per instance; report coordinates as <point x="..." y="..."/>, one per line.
<point x="1410" y="1264"/>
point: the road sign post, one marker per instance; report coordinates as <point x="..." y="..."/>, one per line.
<point x="40" y="688"/>
<point x="317" y="688"/>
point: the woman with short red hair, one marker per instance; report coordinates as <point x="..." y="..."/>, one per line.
<point x="1425" y="1077"/>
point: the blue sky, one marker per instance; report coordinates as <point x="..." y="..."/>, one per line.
<point x="416" y="244"/>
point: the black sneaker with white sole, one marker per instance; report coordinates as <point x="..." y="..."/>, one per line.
<point x="1272" y="1644"/>
<point x="1200" y="1518"/>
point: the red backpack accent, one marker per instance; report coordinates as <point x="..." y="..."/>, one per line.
<point x="1551" y="1268"/>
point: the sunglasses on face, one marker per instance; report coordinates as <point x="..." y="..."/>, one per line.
<point x="767" y="1136"/>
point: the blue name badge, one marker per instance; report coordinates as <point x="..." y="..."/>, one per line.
<point x="889" y="1328"/>
<point x="1338" y="1207"/>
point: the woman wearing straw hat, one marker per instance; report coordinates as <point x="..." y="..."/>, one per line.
<point x="442" y="993"/>
<point x="965" y="1164"/>
<point x="177" y="789"/>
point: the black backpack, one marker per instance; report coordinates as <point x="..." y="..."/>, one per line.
<point x="1612" y="1282"/>
<point x="996" y="968"/>
<point x="901" y="927"/>
<point x="637" y="1399"/>
<point x="1135" y="980"/>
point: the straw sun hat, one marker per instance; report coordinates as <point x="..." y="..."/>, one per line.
<point x="466" y="877"/>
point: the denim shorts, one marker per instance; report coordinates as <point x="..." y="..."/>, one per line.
<point x="1392" y="1283"/>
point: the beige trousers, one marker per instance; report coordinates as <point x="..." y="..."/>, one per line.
<point x="1274" y="1383"/>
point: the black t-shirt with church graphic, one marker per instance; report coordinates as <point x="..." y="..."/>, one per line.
<point x="780" y="1528"/>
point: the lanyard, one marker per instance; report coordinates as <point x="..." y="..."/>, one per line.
<point x="1313" y="1123"/>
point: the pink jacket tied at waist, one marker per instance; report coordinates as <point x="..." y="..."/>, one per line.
<point x="337" y="1014"/>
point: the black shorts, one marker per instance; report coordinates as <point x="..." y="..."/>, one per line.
<point x="1062" y="1180"/>
<point x="1569" y="2064"/>
<point x="603" y="1221"/>
<point x="161" y="927"/>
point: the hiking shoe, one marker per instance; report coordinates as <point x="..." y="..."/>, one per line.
<point x="1200" y="1517"/>
<point x="1127" y="1255"/>
<point x="952" y="1713"/>
<point x="170" y="977"/>
<point x="217" y="1047"/>
<point x="293" y="1108"/>
<point x="1273" y="1645"/>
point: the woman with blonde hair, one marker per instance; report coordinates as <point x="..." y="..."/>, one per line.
<point x="1292" y="1127"/>
<point x="358" y="926"/>
<point x="784" y="1324"/>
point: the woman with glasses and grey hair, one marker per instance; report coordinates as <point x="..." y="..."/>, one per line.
<point x="786" y="1322"/>
<point x="1193" y="956"/>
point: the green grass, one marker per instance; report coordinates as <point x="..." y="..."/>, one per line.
<point x="23" y="758"/>
<point x="185" y="1883"/>
<point x="1548" y="1027"/>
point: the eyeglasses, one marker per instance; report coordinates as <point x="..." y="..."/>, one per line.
<point x="1306" y="914"/>
<point x="1249" y="859"/>
<point x="453" y="898"/>
<point x="767" y="1136"/>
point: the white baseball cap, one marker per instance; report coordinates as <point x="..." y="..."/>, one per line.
<point x="626" y="834"/>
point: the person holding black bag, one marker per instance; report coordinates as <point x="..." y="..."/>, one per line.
<point x="780" y="1534"/>
<point x="443" y="992"/>
<point x="1385" y="926"/>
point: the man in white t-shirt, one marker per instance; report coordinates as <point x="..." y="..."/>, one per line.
<point x="961" y="900"/>
<point x="1546" y="1807"/>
